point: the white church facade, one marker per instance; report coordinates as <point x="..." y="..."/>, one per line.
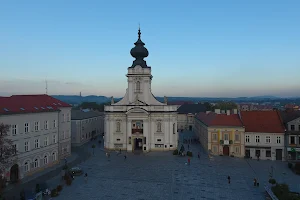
<point x="139" y="122"/>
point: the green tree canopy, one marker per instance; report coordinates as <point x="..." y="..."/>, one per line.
<point x="225" y="105"/>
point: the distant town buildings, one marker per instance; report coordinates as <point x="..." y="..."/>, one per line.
<point x="86" y="124"/>
<point x="292" y="107"/>
<point x="40" y="128"/>
<point x="252" y="106"/>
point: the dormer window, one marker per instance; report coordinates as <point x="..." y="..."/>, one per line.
<point x="292" y="127"/>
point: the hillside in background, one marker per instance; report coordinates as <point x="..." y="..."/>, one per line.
<point x="73" y="99"/>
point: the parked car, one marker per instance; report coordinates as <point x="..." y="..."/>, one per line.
<point x="76" y="171"/>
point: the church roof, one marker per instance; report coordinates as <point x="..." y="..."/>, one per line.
<point x="191" y="108"/>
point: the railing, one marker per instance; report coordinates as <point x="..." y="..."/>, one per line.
<point x="270" y="193"/>
<point x="133" y="131"/>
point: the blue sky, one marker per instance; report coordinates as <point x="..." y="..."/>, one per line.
<point x="197" y="48"/>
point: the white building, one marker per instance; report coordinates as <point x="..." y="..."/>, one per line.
<point x="40" y="130"/>
<point x="264" y="135"/>
<point x="139" y="121"/>
<point x="86" y="124"/>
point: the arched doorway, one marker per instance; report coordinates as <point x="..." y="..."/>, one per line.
<point x="138" y="144"/>
<point x="226" y="150"/>
<point x="14" y="173"/>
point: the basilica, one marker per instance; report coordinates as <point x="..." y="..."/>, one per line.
<point x="139" y="122"/>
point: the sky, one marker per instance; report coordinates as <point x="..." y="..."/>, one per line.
<point x="196" y="48"/>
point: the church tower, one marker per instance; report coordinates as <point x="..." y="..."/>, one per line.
<point x="139" y="77"/>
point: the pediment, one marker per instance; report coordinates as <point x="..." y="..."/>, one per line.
<point x="137" y="110"/>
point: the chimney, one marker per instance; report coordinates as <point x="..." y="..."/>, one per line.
<point x="228" y="112"/>
<point x="235" y="111"/>
<point x="217" y="111"/>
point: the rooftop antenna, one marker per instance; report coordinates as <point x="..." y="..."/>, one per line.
<point x="46" y="86"/>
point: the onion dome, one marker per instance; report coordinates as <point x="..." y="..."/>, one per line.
<point x="139" y="52"/>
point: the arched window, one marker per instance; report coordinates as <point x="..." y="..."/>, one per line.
<point x="45" y="160"/>
<point x="138" y="86"/>
<point x="26" y="166"/>
<point x="53" y="156"/>
<point x="36" y="163"/>
<point x="174" y="128"/>
<point x="158" y="127"/>
<point x="118" y="126"/>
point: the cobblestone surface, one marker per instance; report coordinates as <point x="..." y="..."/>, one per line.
<point x="160" y="175"/>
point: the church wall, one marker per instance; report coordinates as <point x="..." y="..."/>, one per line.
<point x="166" y="135"/>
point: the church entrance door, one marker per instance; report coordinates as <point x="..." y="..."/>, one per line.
<point x="138" y="144"/>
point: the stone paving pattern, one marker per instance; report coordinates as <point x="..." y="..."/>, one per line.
<point x="160" y="175"/>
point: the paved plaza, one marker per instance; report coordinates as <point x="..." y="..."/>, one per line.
<point x="160" y="175"/>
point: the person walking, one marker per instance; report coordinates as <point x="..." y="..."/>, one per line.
<point x="254" y="182"/>
<point x="85" y="177"/>
<point x="189" y="161"/>
<point x="125" y="157"/>
<point x="188" y="147"/>
<point x="228" y="179"/>
<point x="199" y="155"/>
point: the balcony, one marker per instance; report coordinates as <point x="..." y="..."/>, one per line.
<point x="137" y="131"/>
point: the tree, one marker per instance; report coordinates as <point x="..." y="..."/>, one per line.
<point x="208" y="106"/>
<point x="7" y="151"/>
<point x="225" y="105"/>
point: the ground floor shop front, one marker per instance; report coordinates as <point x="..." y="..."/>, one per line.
<point x="264" y="153"/>
<point x="293" y="153"/>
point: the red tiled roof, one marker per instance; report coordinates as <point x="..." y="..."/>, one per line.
<point x="213" y="119"/>
<point x="29" y="104"/>
<point x="262" y="121"/>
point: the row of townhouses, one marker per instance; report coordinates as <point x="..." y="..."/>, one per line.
<point x="268" y="135"/>
<point x="40" y="129"/>
<point x="43" y="129"/>
<point x="86" y="124"/>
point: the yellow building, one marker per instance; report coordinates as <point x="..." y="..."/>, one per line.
<point x="221" y="134"/>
